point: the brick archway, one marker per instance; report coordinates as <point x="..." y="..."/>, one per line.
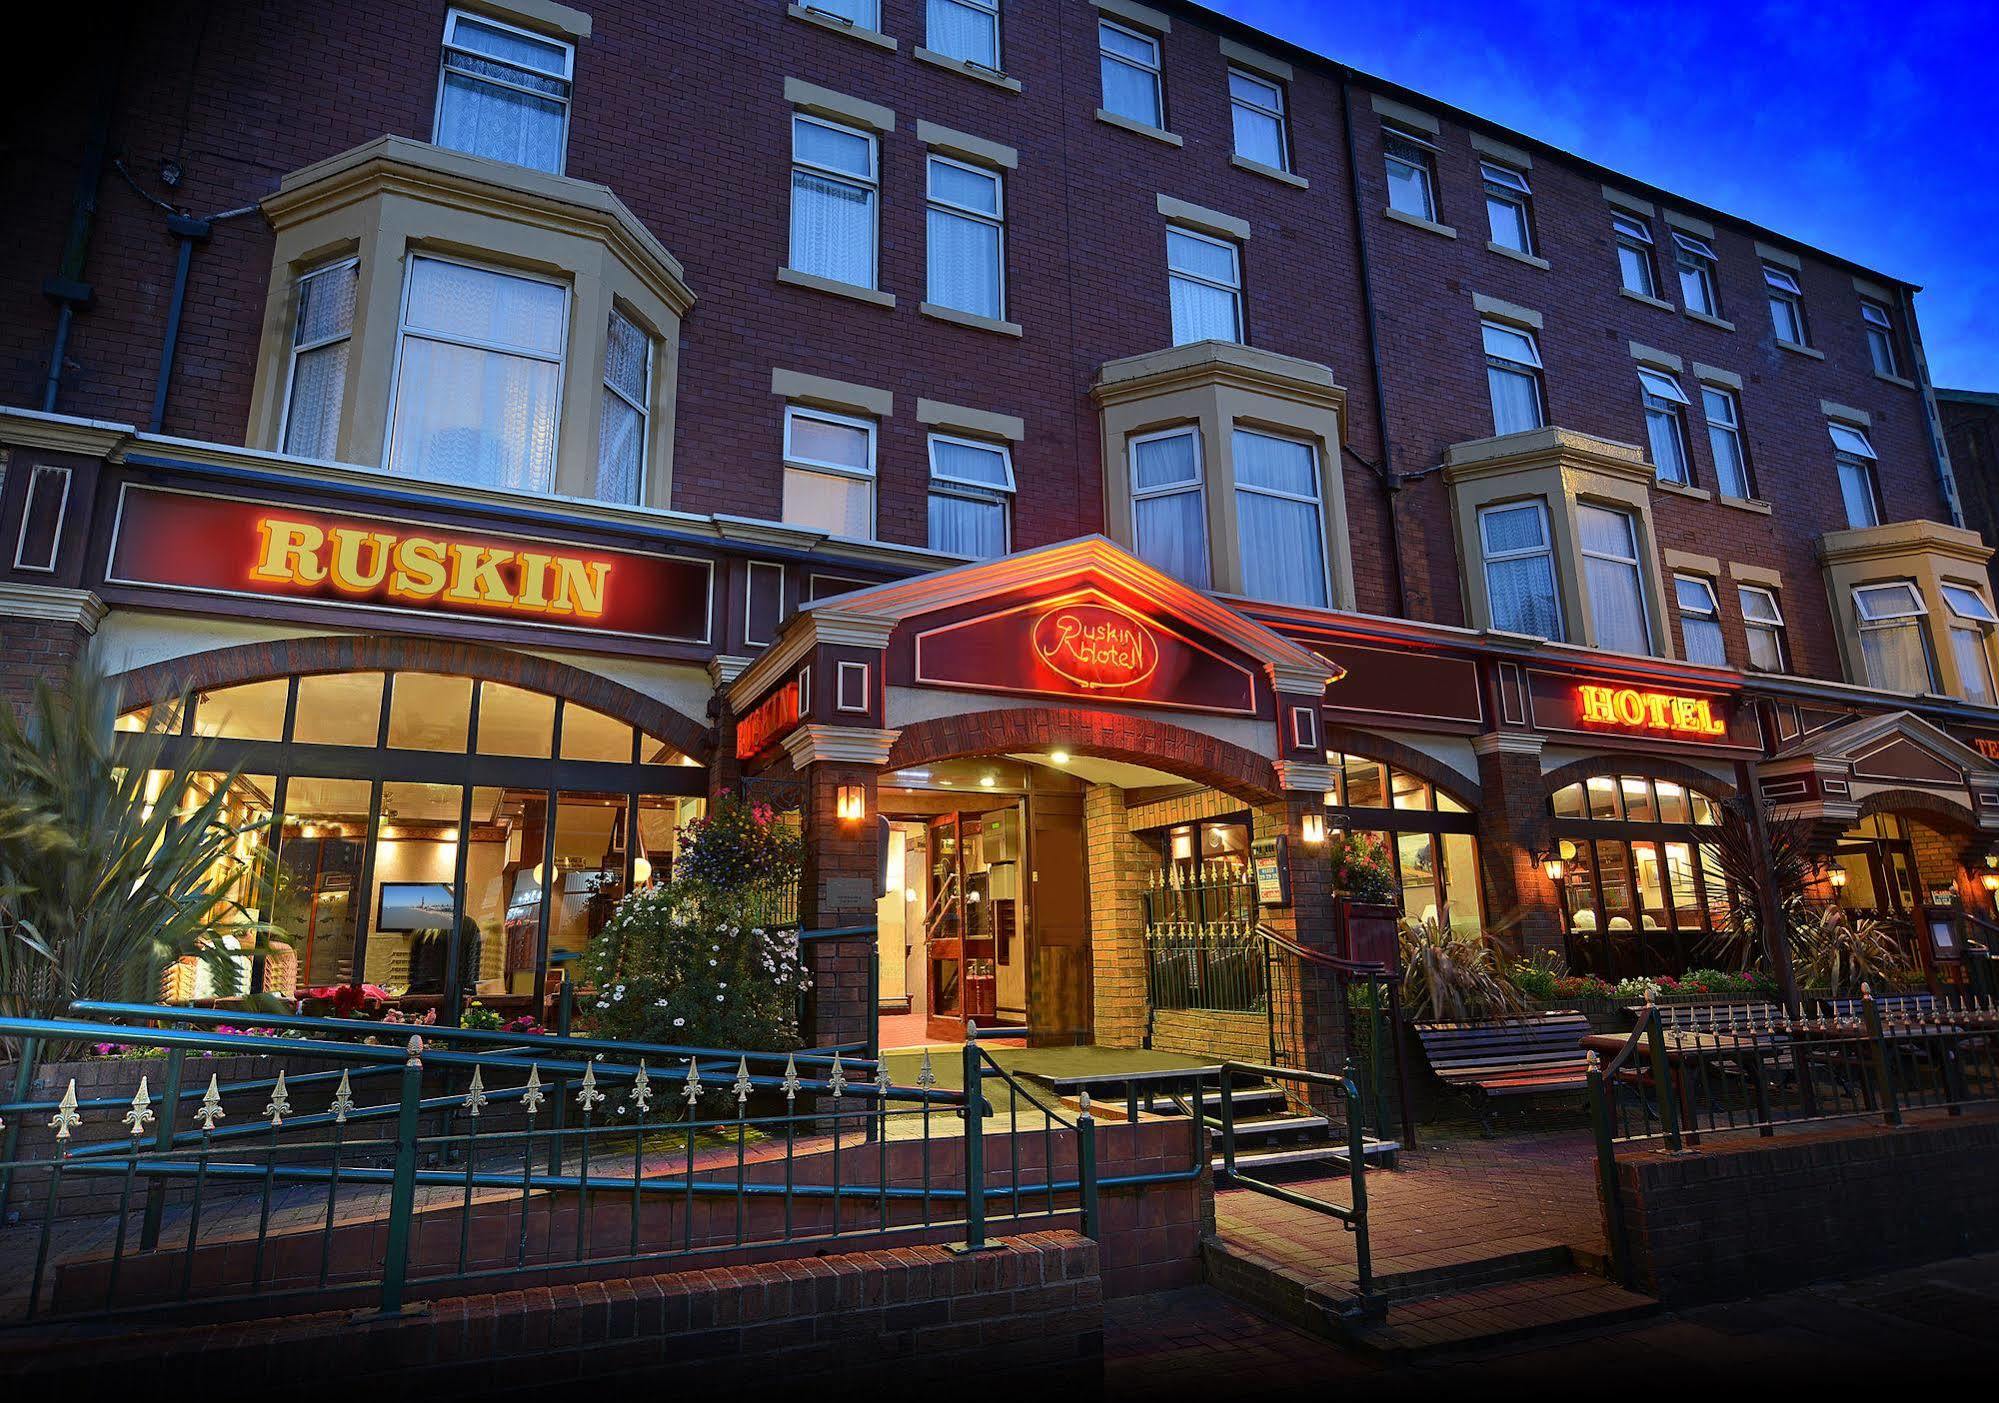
<point x="1931" y="806"/>
<point x="251" y="662"/>
<point x="1652" y="767"/>
<point x="1351" y="741"/>
<point x="1137" y="740"/>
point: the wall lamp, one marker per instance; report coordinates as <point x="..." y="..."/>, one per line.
<point x="1312" y="828"/>
<point x="850" y="804"/>
<point x="1555" y="861"/>
<point x="1837" y="876"/>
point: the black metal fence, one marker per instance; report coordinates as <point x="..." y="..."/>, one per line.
<point x="1201" y="946"/>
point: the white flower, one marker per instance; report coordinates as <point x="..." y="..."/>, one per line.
<point x="602" y="1003"/>
<point x="680" y="1022"/>
<point x="718" y="998"/>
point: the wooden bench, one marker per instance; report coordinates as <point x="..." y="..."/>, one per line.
<point x="1533" y="1055"/>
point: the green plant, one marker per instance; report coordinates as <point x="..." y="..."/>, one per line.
<point x="1361" y="870"/>
<point x="1453" y="976"/>
<point x="1780" y="876"/>
<point x="477" y="1015"/>
<point x="1839" y="954"/>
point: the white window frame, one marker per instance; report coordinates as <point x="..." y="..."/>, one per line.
<point x="1488" y="557"/>
<point x="1730" y="428"/>
<point x="1709" y="614"/>
<point x="1528" y="370"/>
<point x="794" y="412"/>
<point x="867" y="6"/>
<point x="1909" y="615"/>
<point x="642" y="408"/>
<point x="1424" y="163"/>
<point x="990" y="7"/>
<point x="969" y="489"/>
<point x="297" y="350"/>
<point x="1771" y="627"/>
<point x="1879" y="324"/>
<point x="449" y="46"/>
<point x="1316" y="501"/>
<point x="1636" y="560"/>
<point x="1852" y="447"/>
<point x="1198" y="485"/>
<point x="1509" y="187"/>
<point x="1971" y="619"/>
<point x="1780" y="286"/>
<point x="1275" y="111"/>
<point x="978" y="216"/>
<point x="871" y="183"/>
<point x="1696" y="255"/>
<point x="1628" y="231"/>
<point x="1663" y="398"/>
<point x="1156" y="68"/>
<point x="1234" y="290"/>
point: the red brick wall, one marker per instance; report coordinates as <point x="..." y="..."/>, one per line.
<point x="35" y="650"/>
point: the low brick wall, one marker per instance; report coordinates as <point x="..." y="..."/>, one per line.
<point x="1742" y="1216"/>
<point x="1236" y="1037"/>
<point x="1029" y="1311"/>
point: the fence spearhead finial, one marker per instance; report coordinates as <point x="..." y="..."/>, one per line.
<point x="790" y="1078"/>
<point x="415" y="1051"/>
<point x="836" y="1080"/>
<point x="642" y="1089"/>
<point x="475" y="1094"/>
<point x="926" y="1075"/>
<point x="141" y="1114"/>
<point x="1595" y="1063"/>
<point x="691" y="1088"/>
<point x="587" y="1095"/>
<point x="1083" y="1104"/>
<point x="532" y="1098"/>
<point x="343" y="1100"/>
<point x="884" y="1083"/>
<point x="210" y="1110"/>
<point x="66" y="1118"/>
<point x="741" y="1085"/>
<point x="280" y="1104"/>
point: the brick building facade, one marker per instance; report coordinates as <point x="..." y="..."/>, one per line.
<point x="279" y="293"/>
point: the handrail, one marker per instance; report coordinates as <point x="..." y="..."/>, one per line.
<point x="1362" y="968"/>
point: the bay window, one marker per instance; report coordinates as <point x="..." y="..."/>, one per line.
<point x="1700" y="621"/>
<point x="1279" y="520"/>
<point x="971" y="489"/>
<point x="1519" y="562"/>
<point x="1763" y="626"/>
<point x="503" y="92"/>
<point x="1612" y="579"/>
<point x="1893" y="648"/>
<point x="622" y="429"/>
<point x="1513" y="377"/>
<point x="1634" y="254"/>
<point x="1971" y="627"/>
<point x="967" y="30"/>
<point x="1129" y="64"/>
<point x="834" y="190"/>
<point x="1665" y="426"/>
<point x="1204" y="283"/>
<point x="1256" y="108"/>
<point x="1724" y="441"/>
<point x="829" y="472"/>
<point x="478" y="377"/>
<point x="965" y="237"/>
<point x="1696" y="260"/>
<point x="1859" y="488"/>
<point x="1168" y="504"/>
<point x="322" y="336"/>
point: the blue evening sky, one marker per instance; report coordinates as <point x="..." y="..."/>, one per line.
<point x="1868" y="130"/>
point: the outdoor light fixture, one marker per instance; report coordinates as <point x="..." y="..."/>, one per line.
<point x="1990" y="880"/>
<point x="1837" y="876"/>
<point x="641" y="872"/>
<point x="1555" y="861"/>
<point x="1060" y="757"/>
<point x="1312" y="828"/>
<point x="851" y="804"/>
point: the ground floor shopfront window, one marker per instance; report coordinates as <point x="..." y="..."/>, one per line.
<point x="438" y="836"/>
<point x="1423" y="831"/>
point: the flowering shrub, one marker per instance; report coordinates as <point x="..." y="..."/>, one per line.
<point x="738" y="849"/>
<point x="1361" y="870"/>
<point x="344" y="1001"/>
<point x="477" y="1015"/>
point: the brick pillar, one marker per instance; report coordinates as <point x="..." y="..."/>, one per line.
<point x="1119" y="865"/>
<point x="838" y="889"/>
<point x="43" y="631"/>
<point x="725" y="771"/>
<point x="1522" y="907"/>
<point x="1309" y="1011"/>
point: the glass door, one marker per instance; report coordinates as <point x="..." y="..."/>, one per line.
<point x="944" y="928"/>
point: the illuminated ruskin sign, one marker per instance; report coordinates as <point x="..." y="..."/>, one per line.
<point x="767" y="720"/>
<point x="1628" y="708"/>
<point x="1095" y="647"/>
<point x="221" y="545"/>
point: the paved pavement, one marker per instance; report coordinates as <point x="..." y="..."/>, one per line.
<point x="1927" y="1326"/>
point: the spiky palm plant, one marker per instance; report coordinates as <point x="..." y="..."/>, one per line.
<point x="1451" y="976"/>
<point x="1840" y="954"/>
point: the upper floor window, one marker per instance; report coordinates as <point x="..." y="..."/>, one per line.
<point x="834" y="186"/>
<point x="1700" y="620"/>
<point x="503" y="92"/>
<point x="1892" y="647"/>
<point x="322" y="335"/>
<point x="622" y="430"/>
<point x="1763" y="627"/>
<point x="1507" y="198"/>
<point x="1129" y="61"/>
<point x="1520" y="569"/>
<point x="1279" y="520"/>
<point x="1256" y="106"/>
<point x="478" y="377"/>
<point x="862" y="14"/>
<point x="1724" y="441"/>
<point x="967" y="30"/>
<point x="1971" y="627"/>
<point x="1169" y="512"/>
<point x="1411" y="164"/>
<point x="1665" y="425"/>
<point x="1613" y="579"/>
<point x="1634" y="254"/>
<point x="965" y="225"/>
<point x="1513" y="376"/>
<point x="1696" y="260"/>
<point x="829" y="472"/>
<point x="1859" y="487"/>
<point x="1880" y="327"/>
<point x="1204" y="280"/>
<point x="971" y="490"/>
<point x="1787" y="304"/>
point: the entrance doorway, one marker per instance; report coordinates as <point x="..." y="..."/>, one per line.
<point x="1879" y="863"/>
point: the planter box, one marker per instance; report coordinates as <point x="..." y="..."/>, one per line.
<point x="1368" y="932"/>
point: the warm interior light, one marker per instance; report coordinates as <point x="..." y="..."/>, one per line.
<point x="909" y="893"/>
<point x="641" y="871"/>
<point x="985" y="781"/>
<point x="1060" y="757"/>
<point x="1990" y="881"/>
<point x="1992" y="859"/>
<point x="1837" y="877"/>
<point x="1183" y="846"/>
<point x="851" y="803"/>
<point x="1554" y="867"/>
<point x="1312" y="828"/>
<point x="537" y="874"/>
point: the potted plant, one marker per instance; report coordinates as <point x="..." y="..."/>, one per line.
<point x="1365" y="916"/>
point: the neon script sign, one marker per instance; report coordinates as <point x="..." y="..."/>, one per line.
<point x="768" y="720"/>
<point x="365" y="561"/>
<point x="1096" y="647"/>
<point x="1627" y="708"/>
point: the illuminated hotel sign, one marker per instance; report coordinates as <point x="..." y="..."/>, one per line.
<point x="1627" y="708"/>
<point x="767" y="720"/>
<point x="219" y="545"/>
<point x="1987" y="747"/>
<point x="1096" y="648"/>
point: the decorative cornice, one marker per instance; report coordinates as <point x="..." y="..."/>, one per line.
<point x="1306" y="777"/>
<point x="59" y="433"/>
<point x="1222" y="364"/>
<point x="845" y="745"/>
<point x="1508" y="743"/>
<point x="52" y="604"/>
<point x="1548" y="447"/>
<point x="725" y="668"/>
<point x="1904" y="538"/>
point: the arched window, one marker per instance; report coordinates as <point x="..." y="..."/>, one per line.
<point x="433" y="834"/>
<point x="1642" y="890"/>
<point x="1423" y="830"/>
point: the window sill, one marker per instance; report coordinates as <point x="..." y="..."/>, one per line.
<point x="970" y="70"/>
<point x="1703" y="317"/>
<point x="1282" y="177"/>
<point x="1894" y="380"/>
<point x="970" y="319"/>
<point x="852" y="31"/>
<point x="1416" y="221"/>
<point x="1111" y="118"/>
<point x="1516" y="255"/>
<point x="872" y="295"/>
<point x="1649" y="301"/>
<point x="1754" y="505"/>
<point x="1797" y="350"/>
<point x="1680" y="489"/>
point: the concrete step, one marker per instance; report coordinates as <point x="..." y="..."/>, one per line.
<point x="1264" y="1127"/>
<point x="1486" y="1317"/>
<point x="1375" y="1152"/>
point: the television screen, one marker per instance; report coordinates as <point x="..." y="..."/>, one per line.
<point x="408" y="906"/>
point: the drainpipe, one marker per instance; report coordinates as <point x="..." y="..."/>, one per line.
<point x="67" y="288"/>
<point x="1391" y="480"/>
<point x="1932" y="416"/>
<point x="189" y="231"/>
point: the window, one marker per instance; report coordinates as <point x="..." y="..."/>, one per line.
<point x="1411" y="172"/>
<point x="1892" y="647"/>
<point x="967" y="250"/>
<point x="1696" y="260"/>
<point x="829" y="472"/>
<point x="1634" y="254"/>
<point x="322" y="335"/>
<point x="1507" y="197"/>
<point x="1971" y="624"/>
<point x="1422" y="832"/>
<point x="478" y="377"/>
<point x="1700" y="620"/>
<point x="503" y="92"/>
<point x="621" y="433"/>
<point x="1169" y="515"/>
<point x="1278" y="519"/>
<point x="1204" y="279"/>
<point x="1787" y="304"/>
<point x="833" y="193"/>
<point x="1880" y="328"/>
<point x="1256" y="105"/>
<point x="1129" y="62"/>
<point x="1612" y="580"/>
<point x="1763" y="625"/>
<point x="1724" y="441"/>
<point x="971" y="489"/>
<point x="967" y="30"/>
<point x="1513" y="376"/>
<point x="1858" y="486"/>
<point x="1520" y="569"/>
<point x="1665" y="426"/>
<point x="862" y="14"/>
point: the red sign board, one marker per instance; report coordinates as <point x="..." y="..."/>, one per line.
<point x="1082" y="644"/>
<point x="222" y="545"/>
<point x="1611" y="707"/>
<point x="765" y="722"/>
<point x="1987" y="747"/>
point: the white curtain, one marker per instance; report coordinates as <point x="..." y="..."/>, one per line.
<point x="1516" y="403"/>
<point x="506" y="124"/>
<point x="832" y="228"/>
<point x="475" y="417"/>
<point x="1974" y="669"/>
<point x="620" y="451"/>
<point x="1522" y="595"/>
<point x="1669" y="454"/>
<point x="319" y="380"/>
<point x="964" y="263"/>
<point x="1201" y="312"/>
<point x="968" y="462"/>
<point x="1895" y="657"/>
<point x="965" y="525"/>
<point x="829" y="502"/>
<point x="964" y="32"/>
<point x="1258" y="136"/>
<point x="1729" y="472"/>
<point x="1173" y="536"/>
<point x="1283" y="554"/>
<point x="1856" y="489"/>
<point x="1129" y="91"/>
<point x="1617" y="598"/>
<point x="1408" y="188"/>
